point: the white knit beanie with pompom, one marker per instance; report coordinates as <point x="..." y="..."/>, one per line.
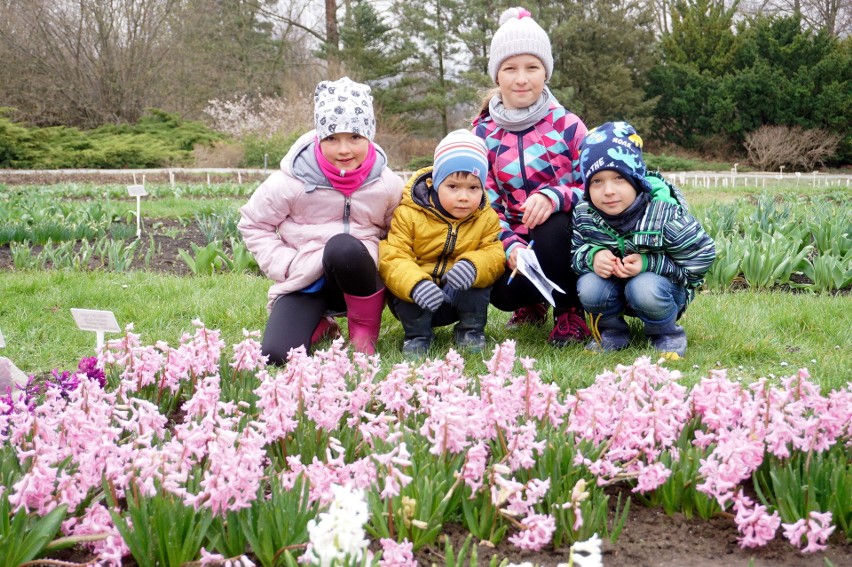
<point x="519" y="34"/>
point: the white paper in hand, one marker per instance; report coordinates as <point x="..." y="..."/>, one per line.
<point x="528" y="265"/>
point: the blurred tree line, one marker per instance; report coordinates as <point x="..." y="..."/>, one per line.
<point x="698" y="74"/>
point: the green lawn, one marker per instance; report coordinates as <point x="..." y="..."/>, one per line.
<point x="751" y="334"/>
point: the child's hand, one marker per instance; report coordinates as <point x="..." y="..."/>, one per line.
<point x="512" y="260"/>
<point x="461" y="276"/>
<point x="629" y="266"/>
<point x="605" y="263"/>
<point x="537" y="209"/>
<point x="428" y="295"/>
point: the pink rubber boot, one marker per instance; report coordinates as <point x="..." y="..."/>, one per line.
<point x="365" y="320"/>
<point x="326" y="328"/>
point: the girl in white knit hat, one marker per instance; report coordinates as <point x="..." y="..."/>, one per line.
<point x="534" y="178"/>
<point x="314" y="226"/>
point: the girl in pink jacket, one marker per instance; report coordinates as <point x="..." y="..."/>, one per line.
<point x="314" y="226"/>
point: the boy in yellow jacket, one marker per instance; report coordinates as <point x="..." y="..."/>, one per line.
<point x="442" y="254"/>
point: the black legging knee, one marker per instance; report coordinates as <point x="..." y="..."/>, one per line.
<point x="349" y="267"/>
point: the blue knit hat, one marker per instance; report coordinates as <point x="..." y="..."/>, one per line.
<point x="460" y="150"/>
<point x="615" y="146"/>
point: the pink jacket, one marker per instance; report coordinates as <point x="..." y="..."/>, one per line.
<point x="290" y="217"/>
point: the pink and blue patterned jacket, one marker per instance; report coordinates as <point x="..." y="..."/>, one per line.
<point x="541" y="159"/>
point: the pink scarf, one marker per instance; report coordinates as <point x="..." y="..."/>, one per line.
<point x="346" y="181"/>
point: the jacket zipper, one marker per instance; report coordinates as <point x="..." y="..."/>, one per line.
<point x="449" y="247"/>
<point x="347" y="207"/>
<point x="521" y="162"/>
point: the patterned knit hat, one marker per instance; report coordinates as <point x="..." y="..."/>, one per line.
<point x="519" y="34"/>
<point x="343" y="106"/>
<point x="460" y="151"/>
<point x="615" y="146"/>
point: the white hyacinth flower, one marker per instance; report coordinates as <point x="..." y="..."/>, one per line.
<point x="587" y="553"/>
<point x="338" y="533"/>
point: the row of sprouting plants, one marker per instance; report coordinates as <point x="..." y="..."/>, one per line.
<point x="121" y="256"/>
<point x="149" y="445"/>
<point x="763" y="245"/>
<point x="215" y="189"/>
<point x="38" y="219"/>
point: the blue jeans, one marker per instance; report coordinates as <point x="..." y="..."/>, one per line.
<point x="656" y="300"/>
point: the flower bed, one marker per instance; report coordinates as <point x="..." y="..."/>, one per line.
<point x="230" y="457"/>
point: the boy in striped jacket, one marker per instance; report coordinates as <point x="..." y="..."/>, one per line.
<point x="637" y="249"/>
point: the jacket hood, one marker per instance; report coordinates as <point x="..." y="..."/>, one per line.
<point x="301" y="162"/>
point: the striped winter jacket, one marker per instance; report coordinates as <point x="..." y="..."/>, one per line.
<point x="671" y="241"/>
<point x="541" y="159"/>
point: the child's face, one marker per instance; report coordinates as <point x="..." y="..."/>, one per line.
<point x="460" y="194"/>
<point x="521" y="80"/>
<point x="345" y="150"/>
<point x="610" y="192"/>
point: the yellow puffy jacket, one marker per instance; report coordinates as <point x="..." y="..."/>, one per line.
<point x="423" y="243"/>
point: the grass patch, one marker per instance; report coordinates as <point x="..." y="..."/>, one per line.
<point x="751" y="334"/>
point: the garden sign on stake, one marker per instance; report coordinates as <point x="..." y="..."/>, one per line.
<point x="137" y="191"/>
<point x="98" y="321"/>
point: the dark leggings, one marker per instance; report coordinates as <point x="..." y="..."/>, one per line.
<point x="553" y="250"/>
<point x="347" y="268"/>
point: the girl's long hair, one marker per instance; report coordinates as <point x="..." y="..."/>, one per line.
<point x="486" y="98"/>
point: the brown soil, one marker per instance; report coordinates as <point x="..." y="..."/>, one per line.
<point x="650" y="538"/>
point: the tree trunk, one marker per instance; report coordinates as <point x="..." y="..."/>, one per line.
<point x="332" y="39"/>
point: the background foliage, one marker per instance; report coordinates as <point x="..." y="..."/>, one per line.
<point x="699" y="75"/>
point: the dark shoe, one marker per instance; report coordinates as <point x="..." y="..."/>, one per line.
<point x="416" y="346"/>
<point x="612" y="332"/>
<point x="535" y="314"/>
<point x="470" y="340"/>
<point x="570" y="327"/>
<point x="672" y="346"/>
<point x="611" y="340"/>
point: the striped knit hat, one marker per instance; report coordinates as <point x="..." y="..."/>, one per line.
<point x="519" y="34"/>
<point x="460" y="151"/>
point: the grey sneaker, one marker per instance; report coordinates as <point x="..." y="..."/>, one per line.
<point x="470" y="340"/>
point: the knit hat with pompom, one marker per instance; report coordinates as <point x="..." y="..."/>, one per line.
<point x="519" y="34"/>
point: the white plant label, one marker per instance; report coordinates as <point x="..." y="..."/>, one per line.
<point x="94" y="320"/>
<point x="2" y="340"/>
<point x="98" y="321"/>
<point x="138" y="191"/>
